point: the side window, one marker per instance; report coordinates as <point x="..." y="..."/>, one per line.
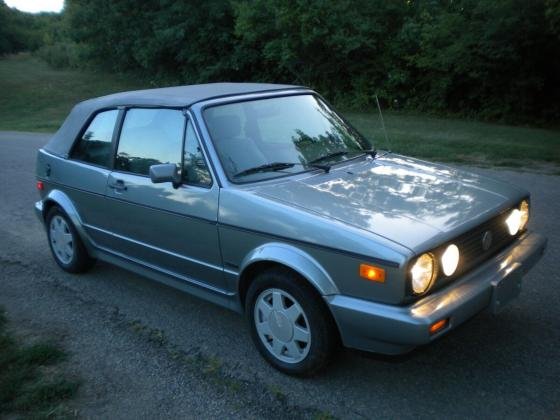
<point x="195" y="170"/>
<point x="95" y="144"/>
<point x="150" y="137"/>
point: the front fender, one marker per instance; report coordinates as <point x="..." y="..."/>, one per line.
<point x="297" y="260"/>
<point x="65" y="203"/>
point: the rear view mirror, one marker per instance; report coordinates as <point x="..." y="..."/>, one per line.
<point x="166" y="172"/>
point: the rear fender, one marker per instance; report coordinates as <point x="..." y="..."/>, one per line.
<point x="62" y="200"/>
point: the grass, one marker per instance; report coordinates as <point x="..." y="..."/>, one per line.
<point x="455" y="140"/>
<point x="30" y="383"/>
<point x="37" y="98"/>
<point x="218" y="373"/>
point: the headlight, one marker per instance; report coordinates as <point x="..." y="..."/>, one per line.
<point x="422" y="273"/>
<point x="513" y="221"/>
<point x="450" y="259"/>
<point x="524" y="209"/>
<point x="518" y="218"/>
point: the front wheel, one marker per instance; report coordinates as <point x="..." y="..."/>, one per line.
<point x="290" y="323"/>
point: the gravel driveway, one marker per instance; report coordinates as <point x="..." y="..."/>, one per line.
<point x="147" y="351"/>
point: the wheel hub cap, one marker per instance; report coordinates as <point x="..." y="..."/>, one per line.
<point x="282" y="325"/>
<point x="61" y="239"/>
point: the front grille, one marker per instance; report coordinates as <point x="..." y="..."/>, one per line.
<point x="471" y="247"/>
<point x="471" y="242"/>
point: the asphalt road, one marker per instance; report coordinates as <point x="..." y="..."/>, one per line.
<point x="147" y="351"/>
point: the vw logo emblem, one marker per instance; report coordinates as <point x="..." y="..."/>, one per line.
<point x="486" y="240"/>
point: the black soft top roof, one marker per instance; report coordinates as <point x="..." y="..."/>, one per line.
<point x="177" y="96"/>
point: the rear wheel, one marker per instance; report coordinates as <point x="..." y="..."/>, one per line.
<point x="66" y="246"/>
<point x="290" y="323"/>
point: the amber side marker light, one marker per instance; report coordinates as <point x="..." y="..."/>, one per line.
<point x="373" y="273"/>
<point x="40" y="185"/>
<point x="438" y="326"/>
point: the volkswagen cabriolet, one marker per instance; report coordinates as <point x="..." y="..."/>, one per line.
<point x="263" y="199"/>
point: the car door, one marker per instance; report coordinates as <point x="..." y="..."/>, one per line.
<point x="83" y="177"/>
<point x="170" y="229"/>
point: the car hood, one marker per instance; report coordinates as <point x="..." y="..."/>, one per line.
<point x="409" y="201"/>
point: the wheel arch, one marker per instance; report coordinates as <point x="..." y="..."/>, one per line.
<point x="59" y="198"/>
<point x="288" y="256"/>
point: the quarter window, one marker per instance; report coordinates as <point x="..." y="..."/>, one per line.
<point x="195" y="170"/>
<point x="95" y="144"/>
<point x="150" y="137"/>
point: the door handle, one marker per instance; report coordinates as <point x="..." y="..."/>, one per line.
<point x="118" y="185"/>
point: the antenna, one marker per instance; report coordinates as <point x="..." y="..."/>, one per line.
<point x="387" y="142"/>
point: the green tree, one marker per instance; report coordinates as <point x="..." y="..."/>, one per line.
<point x="21" y="31"/>
<point x="484" y="57"/>
<point x="187" y="41"/>
<point x="496" y="59"/>
<point x="337" y="47"/>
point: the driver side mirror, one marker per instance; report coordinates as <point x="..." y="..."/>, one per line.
<point x="165" y="172"/>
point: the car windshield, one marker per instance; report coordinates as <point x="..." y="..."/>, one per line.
<point x="268" y="138"/>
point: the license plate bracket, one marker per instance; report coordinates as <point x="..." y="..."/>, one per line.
<point x="506" y="289"/>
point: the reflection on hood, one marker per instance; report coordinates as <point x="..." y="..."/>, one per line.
<point x="400" y="198"/>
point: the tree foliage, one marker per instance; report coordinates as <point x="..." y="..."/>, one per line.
<point x="496" y="59"/>
<point x="183" y="41"/>
<point x="21" y="31"/>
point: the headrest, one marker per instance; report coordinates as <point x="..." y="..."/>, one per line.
<point x="224" y="126"/>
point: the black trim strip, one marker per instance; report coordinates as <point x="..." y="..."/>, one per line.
<point x="116" y="136"/>
<point x="170" y="273"/>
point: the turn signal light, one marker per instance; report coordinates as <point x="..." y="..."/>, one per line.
<point x="438" y="326"/>
<point x="373" y="273"/>
<point x="40" y="185"/>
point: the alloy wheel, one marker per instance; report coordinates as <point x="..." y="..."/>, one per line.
<point x="282" y="325"/>
<point x="61" y="239"/>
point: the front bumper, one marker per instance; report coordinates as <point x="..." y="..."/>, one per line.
<point x="39" y="211"/>
<point x="391" y="329"/>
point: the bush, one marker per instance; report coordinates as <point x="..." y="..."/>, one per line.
<point x="21" y="31"/>
<point x="490" y="59"/>
<point x="62" y="55"/>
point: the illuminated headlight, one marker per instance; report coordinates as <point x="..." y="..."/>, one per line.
<point x="524" y="209"/>
<point x="450" y="259"/>
<point x="513" y="221"/>
<point x="422" y="273"/>
<point x="518" y="218"/>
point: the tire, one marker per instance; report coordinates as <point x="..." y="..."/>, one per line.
<point x="66" y="245"/>
<point x="302" y="347"/>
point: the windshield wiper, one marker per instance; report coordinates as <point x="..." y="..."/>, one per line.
<point x="267" y="167"/>
<point x="371" y="152"/>
<point x="278" y="166"/>
<point x="328" y="156"/>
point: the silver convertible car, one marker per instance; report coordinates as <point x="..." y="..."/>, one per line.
<point x="262" y="199"/>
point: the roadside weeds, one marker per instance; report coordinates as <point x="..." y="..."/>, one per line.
<point x="216" y="372"/>
<point x="32" y="382"/>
